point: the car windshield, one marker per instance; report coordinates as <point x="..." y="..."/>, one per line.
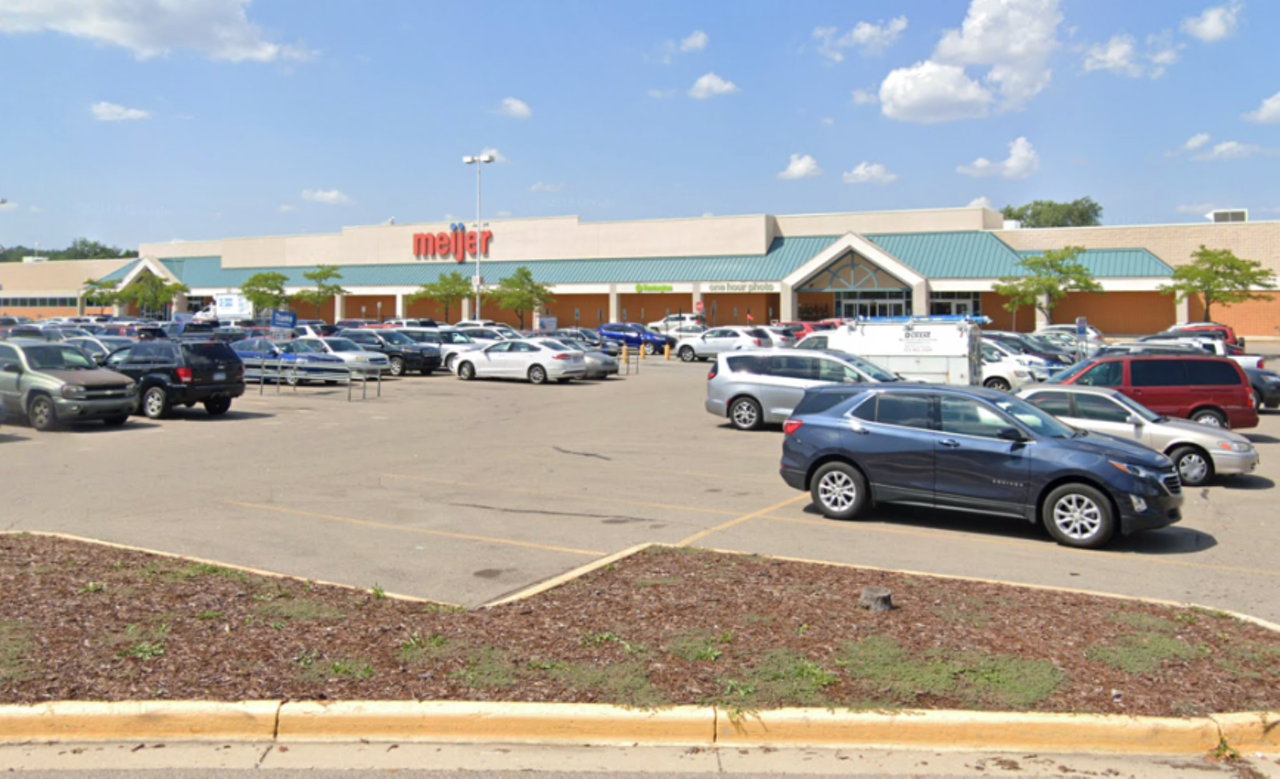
<point x="1137" y="408"/>
<point x="574" y="345"/>
<point x="343" y="345"/>
<point x="57" y="357"/>
<point x="308" y="347"/>
<point x="1064" y="377"/>
<point x="1013" y="345"/>
<point x="1034" y="418"/>
<point x="392" y="337"/>
<point x="422" y="338"/>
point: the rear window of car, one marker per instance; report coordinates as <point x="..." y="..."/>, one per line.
<point x="894" y="409"/>
<point x="749" y="363"/>
<point x="1212" y="373"/>
<point x="1158" y="373"/>
<point x="206" y="355"/>
<point x="818" y="402"/>
<point x="757" y="332"/>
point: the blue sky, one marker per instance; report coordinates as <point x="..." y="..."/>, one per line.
<point x="151" y="120"/>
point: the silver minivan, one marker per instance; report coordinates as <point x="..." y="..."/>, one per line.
<point x="763" y="386"/>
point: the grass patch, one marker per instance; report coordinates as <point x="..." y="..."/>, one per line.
<point x="91" y="587"/>
<point x="417" y="649"/>
<point x="488" y="668"/>
<point x="205" y="616"/>
<point x="196" y="570"/>
<point x="15" y="645"/>
<point x="1143" y="653"/>
<point x="1145" y="623"/>
<point x="317" y="672"/>
<point x="699" y="646"/>
<point x="299" y="609"/>
<point x="593" y="640"/>
<point x="780" y="678"/>
<point x="441" y="608"/>
<point x="626" y="684"/>
<point x="882" y="662"/>
<point x="142" y="643"/>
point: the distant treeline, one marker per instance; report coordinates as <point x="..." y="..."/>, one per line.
<point x="80" y="249"/>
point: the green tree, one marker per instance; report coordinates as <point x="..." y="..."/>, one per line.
<point x="100" y="293"/>
<point x="80" y="249"/>
<point x="1219" y="276"/>
<point x="445" y="290"/>
<point x="1047" y="213"/>
<point x="326" y="278"/>
<point x="150" y="293"/>
<point x="265" y="290"/>
<point x="520" y="293"/>
<point x="1046" y="280"/>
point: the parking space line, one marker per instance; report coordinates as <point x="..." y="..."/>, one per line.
<point x="541" y="494"/>
<point x="1028" y="545"/>
<point x="415" y="530"/>
<point x="744" y="518"/>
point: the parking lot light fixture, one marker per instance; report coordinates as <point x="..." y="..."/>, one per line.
<point x="479" y="160"/>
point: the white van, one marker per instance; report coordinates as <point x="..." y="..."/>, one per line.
<point x="939" y="350"/>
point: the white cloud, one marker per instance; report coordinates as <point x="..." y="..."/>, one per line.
<point x="695" y="42"/>
<point x="1120" y="55"/>
<point x="1267" y="113"/>
<point x="1196" y="141"/>
<point x="110" y="112"/>
<point x="330" y="197"/>
<point x="662" y="94"/>
<point x="1014" y="38"/>
<point x="1022" y="162"/>
<point x="286" y="208"/>
<point x="1214" y="24"/>
<point x="870" y="173"/>
<point x="863" y="97"/>
<point x="828" y="121"/>
<point x="872" y="39"/>
<point x="712" y="85"/>
<point x="543" y="186"/>
<point x="497" y="155"/>
<point x="928" y="92"/>
<point x="8" y="205"/>
<point x="1229" y="150"/>
<point x="981" y="201"/>
<point x="218" y="29"/>
<point x="514" y="108"/>
<point x="801" y="167"/>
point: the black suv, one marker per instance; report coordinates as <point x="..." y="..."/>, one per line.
<point x="404" y="353"/>
<point x="181" y="373"/>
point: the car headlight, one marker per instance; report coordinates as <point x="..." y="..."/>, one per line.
<point x="1240" y="447"/>
<point x="1271" y="379"/>
<point x="131" y="388"/>
<point x="1022" y="374"/>
<point x="73" y="392"/>
<point x="1136" y="471"/>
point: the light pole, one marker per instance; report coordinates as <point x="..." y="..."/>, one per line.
<point x="479" y="161"/>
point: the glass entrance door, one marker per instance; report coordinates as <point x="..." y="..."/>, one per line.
<point x="949" y="308"/>
<point x="857" y="308"/>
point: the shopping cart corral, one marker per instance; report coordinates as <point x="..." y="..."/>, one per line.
<point x="295" y="374"/>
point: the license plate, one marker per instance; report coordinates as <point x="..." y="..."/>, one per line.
<point x="220" y="376"/>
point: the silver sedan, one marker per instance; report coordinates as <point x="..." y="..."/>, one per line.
<point x="522" y="359"/>
<point x="600" y="365"/>
<point x="1198" y="451"/>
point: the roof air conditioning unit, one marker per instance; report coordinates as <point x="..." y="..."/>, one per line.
<point x="1013" y="224"/>
<point x="29" y="260"/>
<point x="1228" y="215"/>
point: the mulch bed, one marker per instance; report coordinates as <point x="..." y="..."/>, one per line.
<point x="666" y="626"/>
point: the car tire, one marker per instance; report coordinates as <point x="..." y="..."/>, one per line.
<point x="155" y="403"/>
<point x="1195" y="468"/>
<point x="451" y="361"/>
<point x="687" y="354"/>
<point x="1079" y="516"/>
<point x="838" y="490"/>
<point x="565" y="380"/>
<point x="41" y="413"/>
<point x="650" y="348"/>
<point x="427" y="371"/>
<point x="1210" y="418"/>
<point x="466" y="371"/>
<point x="116" y="421"/>
<point x="997" y="383"/>
<point x="216" y="407"/>
<point x="745" y="414"/>
<point x="397" y="366"/>
<point x="537" y="374"/>
<point x="1256" y="400"/>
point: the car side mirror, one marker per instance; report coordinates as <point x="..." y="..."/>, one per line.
<point x="13" y="367"/>
<point x="1011" y="434"/>
<point x="99" y="358"/>
<point x="1134" y="419"/>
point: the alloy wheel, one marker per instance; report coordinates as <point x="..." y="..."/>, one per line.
<point x="837" y="491"/>
<point x="745" y="415"/>
<point x="1077" y="516"/>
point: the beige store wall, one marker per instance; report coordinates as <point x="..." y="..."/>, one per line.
<point x="53" y="279"/>
<point x="924" y="221"/>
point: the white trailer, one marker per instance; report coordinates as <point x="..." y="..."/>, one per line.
<point x="938" y="349"/>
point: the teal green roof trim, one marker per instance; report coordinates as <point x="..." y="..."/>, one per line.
<point x="1119" y="263"/>
<point x="969" y="254"/>
<point x="119" y="273"/>
<point x="783" y="257"/>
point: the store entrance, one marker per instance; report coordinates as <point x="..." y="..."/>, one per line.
<point x="857" y="308"/>
<point x="948" y="308"/>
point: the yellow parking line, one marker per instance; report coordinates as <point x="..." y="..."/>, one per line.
<point x="415" y="530"/>
<point x="1027" y="545"/>
<point x="745" y="517"/>
<point x="540" y="493"/>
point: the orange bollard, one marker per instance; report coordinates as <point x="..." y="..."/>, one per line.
<point x="666" y="352"/>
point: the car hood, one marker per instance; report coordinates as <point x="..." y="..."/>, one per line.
<point x="98" y="377"/>
<point x="1195" y="429"/>
<point x="1112" y="447"/>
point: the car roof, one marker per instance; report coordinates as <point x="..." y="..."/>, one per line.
<point x="915" y="389"/>
<point x="1074" y="389"/>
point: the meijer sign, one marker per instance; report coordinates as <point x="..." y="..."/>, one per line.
<point x="457" y="243"/>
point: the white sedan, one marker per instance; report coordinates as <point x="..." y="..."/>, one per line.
<point x="353" y="354"/>
<point x="721" y="339"/>
<point x="535" y="361"/>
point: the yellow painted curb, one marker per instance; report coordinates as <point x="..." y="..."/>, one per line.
<point x="969" y="730"/>
<point x="1251" y="732"/>
<point x="470" y="721"/>
<point x="137" y="720"/>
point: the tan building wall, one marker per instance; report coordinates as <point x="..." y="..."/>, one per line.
<point x="919" y="221"/>
<point x="646" y="308"/>
<point x="1252" y="317"/>
<point x="1119" y="313"/>
<point x="593" y="310"/>
<point x="50" y="312"/>
<point x="366" y="306"/>
<point x="757" y="304"/>
<point x="430" y="309"/>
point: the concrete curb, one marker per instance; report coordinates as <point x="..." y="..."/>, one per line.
<point x="130" y="720"/>
<point x="1255" y="732"/>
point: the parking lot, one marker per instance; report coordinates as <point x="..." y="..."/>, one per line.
<point x="465" y="491"/>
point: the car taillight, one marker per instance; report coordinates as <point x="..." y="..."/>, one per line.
<point x="1262" y="364"/>
<point x="791" y="425"/>
<point x="561" y="357"/>
<point x="756" y="341"/>
<point x="715" y="366"/>
<point x="184" y="375"/>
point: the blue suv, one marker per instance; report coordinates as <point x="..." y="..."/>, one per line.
<point x="977" y="450"/>
<point x="635" y="336"/>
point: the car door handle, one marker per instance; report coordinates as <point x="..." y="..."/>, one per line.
<point x="950" y="443"/>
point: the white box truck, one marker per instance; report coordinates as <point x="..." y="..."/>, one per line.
<point x="227" y="307"/>
<point x="937" y="349"/>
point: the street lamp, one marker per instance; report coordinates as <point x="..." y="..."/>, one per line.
<point x="479" y="161"/>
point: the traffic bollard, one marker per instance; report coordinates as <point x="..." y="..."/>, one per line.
<point x="666" y="352"/>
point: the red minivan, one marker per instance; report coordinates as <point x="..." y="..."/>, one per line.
<point x="1210" y="390"/>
